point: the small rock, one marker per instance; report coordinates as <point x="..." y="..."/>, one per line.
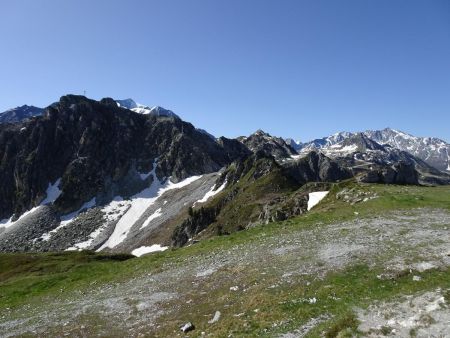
<point x="234" y="288"/>
<point x="188" y="327"/>
<point x="417" y="278"/>
<point x="215" y="318"/>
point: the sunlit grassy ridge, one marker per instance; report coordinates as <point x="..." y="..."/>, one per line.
<point x="32" y="278"/>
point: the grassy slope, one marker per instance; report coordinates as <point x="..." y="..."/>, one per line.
<point x="26" y="279"/>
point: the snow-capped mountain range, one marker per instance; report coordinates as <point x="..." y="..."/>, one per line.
<point x="146" y="110"/>
<point x="433" y="151"/>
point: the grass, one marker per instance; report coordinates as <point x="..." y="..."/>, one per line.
<point x="29" y="278"/>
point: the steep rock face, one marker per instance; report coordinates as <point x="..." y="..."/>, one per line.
<point x="296" y="145"/>
<point x="19" y="114"/>
<point x="98" y="150"/>
<point x="267" y="144"/>
<point x="400" y="173"/>
<point x="361" y="142"/>
<point x="233" y="148"/>
<point x="316" y="167"/>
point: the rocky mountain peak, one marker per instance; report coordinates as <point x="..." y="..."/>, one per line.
<point x="361" y="142"/>
<point x="261" y="141"/>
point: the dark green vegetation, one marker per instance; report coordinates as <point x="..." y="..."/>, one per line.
<point x="261" y="309"/>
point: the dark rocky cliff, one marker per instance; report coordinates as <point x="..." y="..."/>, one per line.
<point x="97" y="148"/>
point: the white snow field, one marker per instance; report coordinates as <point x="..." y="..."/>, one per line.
<point x="148" y="249"/>
<point x="315" y="198"/>
<point x="211" y="193"/>
<point x="52" y="192"/>
<point x="139" y="203"/>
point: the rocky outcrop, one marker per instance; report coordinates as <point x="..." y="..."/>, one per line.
<point x="263" y="142"/>
<point x="316" y="167"/>
<point x="400" y="173"/>
<point x="22" y="235"/>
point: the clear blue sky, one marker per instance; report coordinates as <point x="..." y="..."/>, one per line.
<point x="301" y="69"/>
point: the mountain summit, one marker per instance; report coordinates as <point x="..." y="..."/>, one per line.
<point x="142" y="109"/>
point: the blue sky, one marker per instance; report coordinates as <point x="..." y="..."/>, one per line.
<point x="301" y="69"/>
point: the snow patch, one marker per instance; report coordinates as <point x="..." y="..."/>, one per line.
<point x="148" y="249"/>
<point x="52" y="192"/>
<point x="139" y="203"/>
<point x="112" y="212"/>
<point x="156" y="214"/>
<point x="315" y="198"/>
<point x="448" y="161"/>
<point x="6" y="223"/>
<point x="144" y="176"/>
<point x="211" y="193"/>
<point x="115" y="209"/>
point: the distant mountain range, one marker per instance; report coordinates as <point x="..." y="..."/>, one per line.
<point x="433" y="151"/>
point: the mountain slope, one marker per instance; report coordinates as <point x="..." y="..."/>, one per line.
<point x="344" y="269"/>
<point x="434" y="151"/>
<point x="259" y="190"/>
<point x="88" y="155"/>
<point x="19" y="114"/>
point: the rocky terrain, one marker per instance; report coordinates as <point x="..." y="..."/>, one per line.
<point x="345" y="268"/>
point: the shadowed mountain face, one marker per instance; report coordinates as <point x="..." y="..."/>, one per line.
<point x="98" y="150"/>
